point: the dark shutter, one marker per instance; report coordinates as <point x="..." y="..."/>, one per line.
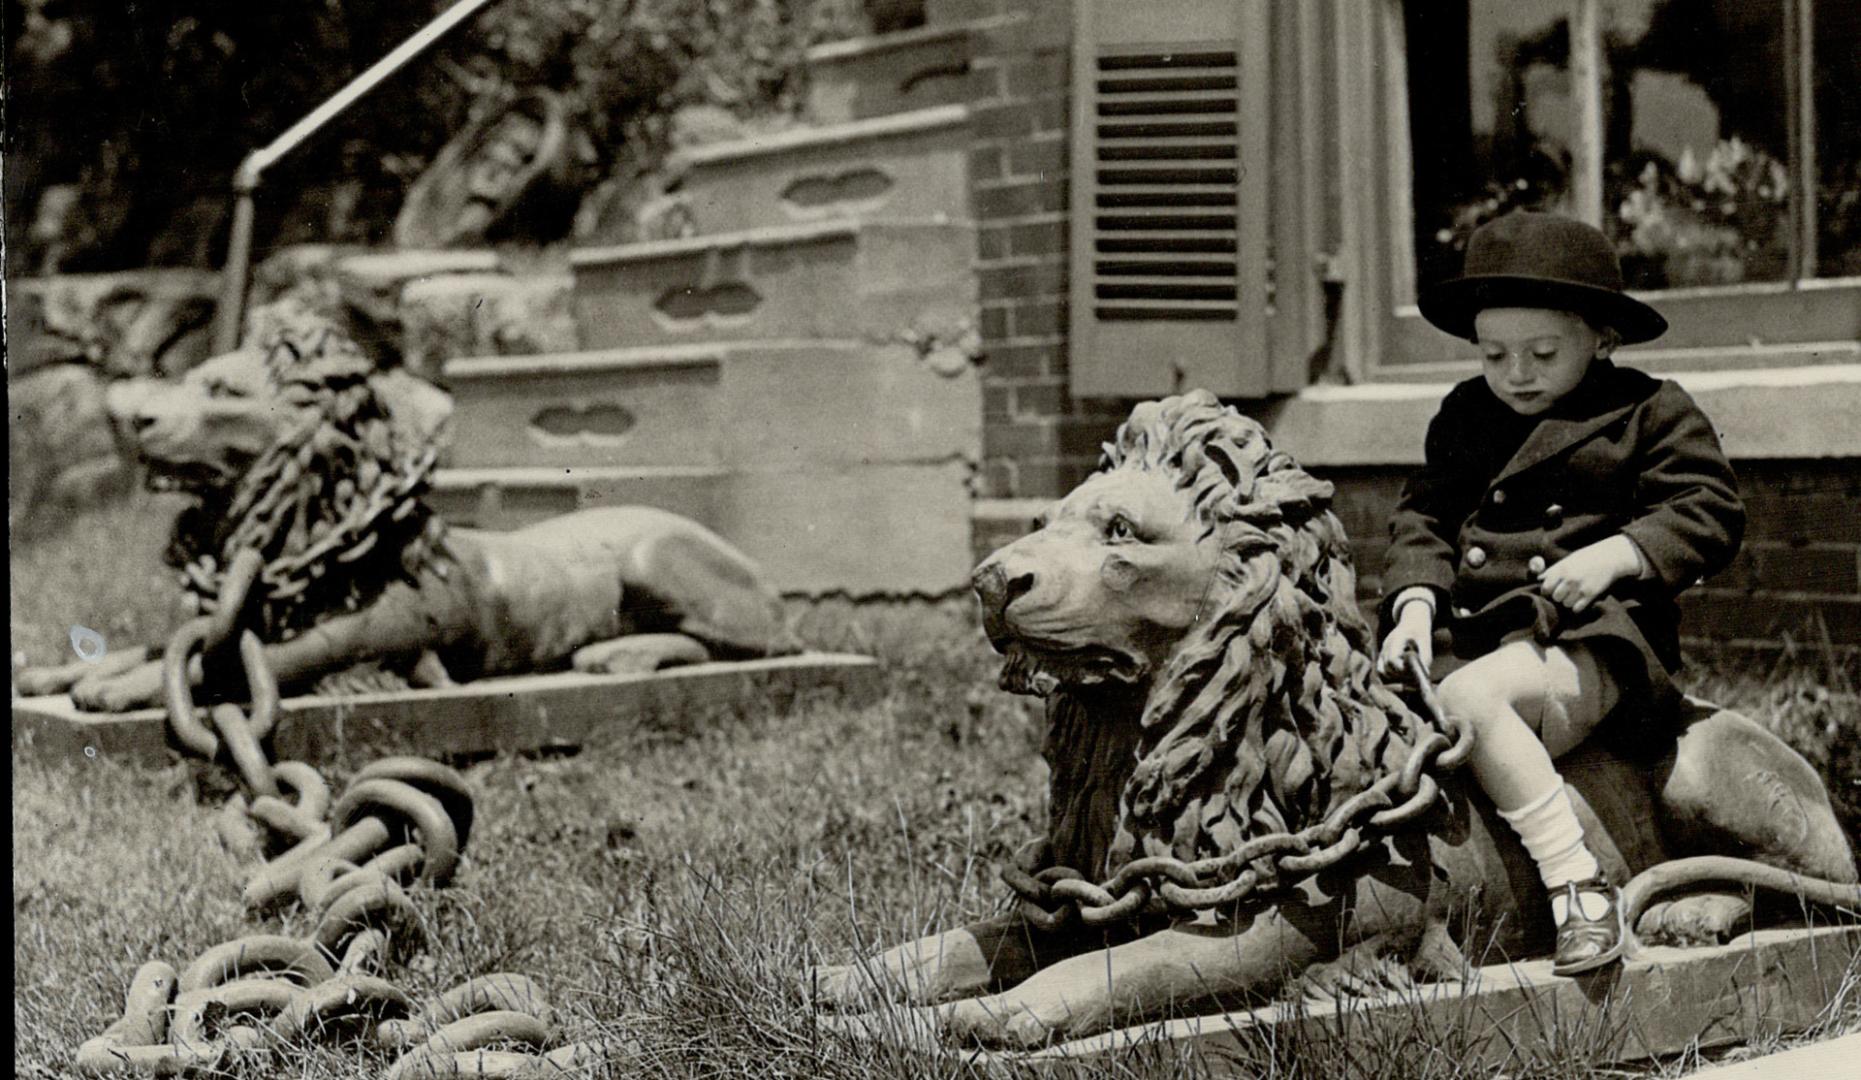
<point x="1169" y="198"/>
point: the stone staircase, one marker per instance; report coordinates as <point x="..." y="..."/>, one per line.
<point x="799" y="375"/>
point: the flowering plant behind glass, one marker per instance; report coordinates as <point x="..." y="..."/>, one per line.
<point x="1716" y="222"/>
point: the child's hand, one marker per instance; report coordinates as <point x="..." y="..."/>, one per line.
<point x="1414" y="629"/>
<point x="1577" y="579"/>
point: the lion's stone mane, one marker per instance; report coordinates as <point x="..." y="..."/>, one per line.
<point x="293" y="495"/>
<point x="1269" y="712"/>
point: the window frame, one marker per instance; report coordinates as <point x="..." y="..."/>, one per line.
<point x="1750" y="325"/>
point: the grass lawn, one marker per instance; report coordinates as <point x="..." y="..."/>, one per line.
<point x="664" y="887"/>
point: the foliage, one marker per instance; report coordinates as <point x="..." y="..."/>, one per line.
<point x="170" y="94"/>
<point x="1715" y="222"/>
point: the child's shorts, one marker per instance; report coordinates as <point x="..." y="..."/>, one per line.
<point x="1561" y="691"/>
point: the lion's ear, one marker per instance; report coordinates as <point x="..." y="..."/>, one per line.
<point x="419" y="412"/>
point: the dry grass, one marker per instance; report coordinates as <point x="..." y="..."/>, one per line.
<point x="665" y="886"/>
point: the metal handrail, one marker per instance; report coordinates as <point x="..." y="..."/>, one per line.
<point x="236" y="275"/>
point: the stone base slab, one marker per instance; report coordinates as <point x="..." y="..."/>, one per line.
<point x="517" y="713"/>
<point x="1660" y="1002"/>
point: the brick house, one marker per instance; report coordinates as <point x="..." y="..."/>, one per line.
<point x="1129" y="244"/>
<point x="905" y="324"/>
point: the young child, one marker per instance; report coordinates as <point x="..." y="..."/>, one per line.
<point x="1564" y="504"/>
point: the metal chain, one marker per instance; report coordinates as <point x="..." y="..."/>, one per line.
<point x="263" y="992"/>
<point x="257" y="996"/>
<point x="343" y="540"/>
<point x="1057" y="896"/>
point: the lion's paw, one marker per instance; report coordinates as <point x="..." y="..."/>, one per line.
<point x="840" y="986"/>
<point x="638" y="654"/>
<point x="34" y="682"/>
<point x="1705" y="918"/>
<point x="137" y="689"/>
<point x="1014" y="1021"/>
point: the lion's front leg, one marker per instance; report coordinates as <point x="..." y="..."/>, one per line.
<point x="61" y="678"/>
<point x="995" y="952"/>
<point x="138" y="687"/>
<point x="1186" y="968"/>
<point x="934" y="968"/>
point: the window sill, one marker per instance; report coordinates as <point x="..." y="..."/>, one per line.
<point x="1786" y="412"/>
<point x="1659" y="361"/>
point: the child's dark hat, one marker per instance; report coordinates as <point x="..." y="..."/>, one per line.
<point x="1527" y="259"/>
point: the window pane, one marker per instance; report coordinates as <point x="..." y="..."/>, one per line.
<point x="1490" y="118"/>
<point x="1838" y="137"/>
<point x="1696" y="185"/>
<point x="1697" y="141"/>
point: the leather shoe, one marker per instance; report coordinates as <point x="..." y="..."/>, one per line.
<point x="1583" y="943"/>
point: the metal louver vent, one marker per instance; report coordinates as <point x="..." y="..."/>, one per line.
<point x="1165" y="195"/>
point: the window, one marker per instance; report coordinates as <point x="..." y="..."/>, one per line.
<point x="1717" y="143"/>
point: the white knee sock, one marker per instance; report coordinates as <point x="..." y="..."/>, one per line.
<point x="1553" y="837"/>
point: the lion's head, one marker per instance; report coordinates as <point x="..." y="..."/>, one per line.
<point x="1190" y="613"/>
<point x="284" y="445"/>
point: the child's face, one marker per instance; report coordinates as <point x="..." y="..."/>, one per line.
<point x="1531" y="357"/>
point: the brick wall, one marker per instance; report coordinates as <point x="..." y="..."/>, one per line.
<point x="1797" y="577"/>
<point x="1037" y="440"/>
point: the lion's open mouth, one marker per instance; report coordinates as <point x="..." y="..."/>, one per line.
<point x="1028" y="668"/>
<point x="187" y="477"/>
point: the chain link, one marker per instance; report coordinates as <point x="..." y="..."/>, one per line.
<point x="335" y="541"/>
<point x="226" y="1013"/>
<point x="1055" y="897"/>
<point x="401" y="819"/>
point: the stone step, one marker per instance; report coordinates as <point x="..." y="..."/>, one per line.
<point x="508" y="498"/>
<point x="755" y="406"/>
<point x="840" y="279"/>
<point x="874" y="530"/>
<point x="891" y="73"/>
<point x="904" y="165"/>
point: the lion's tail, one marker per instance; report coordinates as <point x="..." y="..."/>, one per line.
<point x="1709" y="869"/>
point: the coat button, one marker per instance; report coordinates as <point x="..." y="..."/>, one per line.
<point x="1536" y="565"/>
<point x="1554" y="513"/>
<point x="1499" y="497"/>
<point x="1462" y="612"/>
<point x="1476" y="557"/>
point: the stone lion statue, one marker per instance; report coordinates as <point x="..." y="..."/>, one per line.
<point x="1189" y="614"/>
<point x="301" y="450"/>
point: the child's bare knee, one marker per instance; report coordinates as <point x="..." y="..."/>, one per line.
<point x="1471" y="700"/>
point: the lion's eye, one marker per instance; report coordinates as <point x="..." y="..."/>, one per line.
<point x="1119" y="529"/>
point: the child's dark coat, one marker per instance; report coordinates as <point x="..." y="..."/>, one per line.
<point x="1621" y="453"/>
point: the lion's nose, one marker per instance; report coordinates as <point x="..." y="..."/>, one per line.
<point x="998" y="585"/>
<point x="125" y="406"/>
